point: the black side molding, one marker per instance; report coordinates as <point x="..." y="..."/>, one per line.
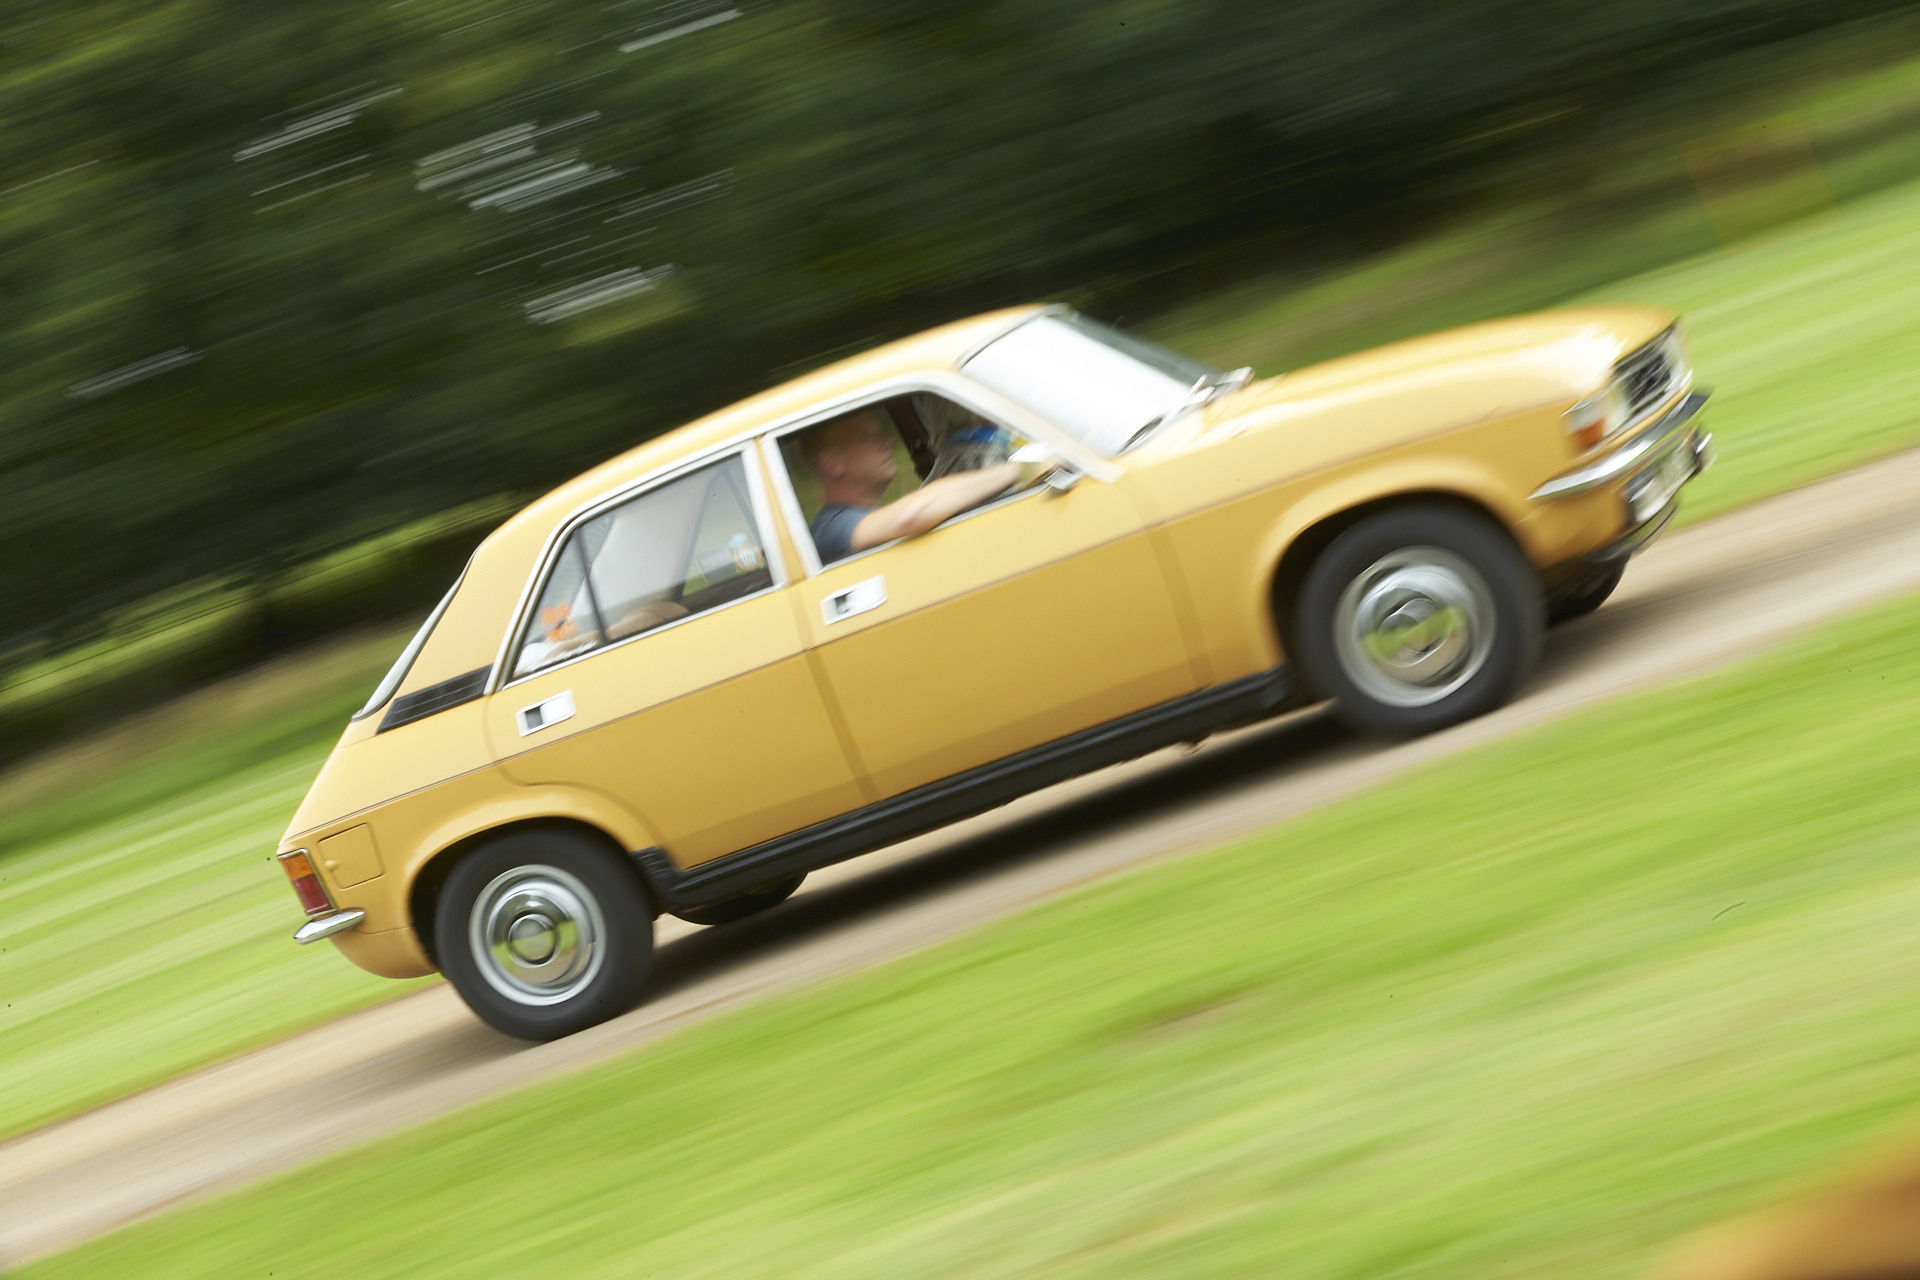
<point x="965" y="794"/>
<point x="422" y="703"/>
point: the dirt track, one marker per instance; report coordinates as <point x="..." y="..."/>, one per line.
<point x="1695" y="600"/>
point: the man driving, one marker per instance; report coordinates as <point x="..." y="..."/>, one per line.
<point x="853" y="457"/>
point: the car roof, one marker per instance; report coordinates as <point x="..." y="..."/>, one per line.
<point x="936" y="349"/>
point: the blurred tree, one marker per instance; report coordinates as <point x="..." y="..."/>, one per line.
<point x="281" y="277"/>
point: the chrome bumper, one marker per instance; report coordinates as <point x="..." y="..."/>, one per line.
<point x="1636" y="452"/>
<point x="327" y="926"/>
<point x="1647" y="530"/>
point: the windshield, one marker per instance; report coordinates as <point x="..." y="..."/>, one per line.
<point x="1105" y="386"/>
<point x="404" y="662"/>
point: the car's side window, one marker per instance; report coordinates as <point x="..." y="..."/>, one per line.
<point x="869" y="457"/>
<point x="689" y="545"/>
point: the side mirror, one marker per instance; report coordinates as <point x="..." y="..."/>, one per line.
<point x="1061" y="479"/>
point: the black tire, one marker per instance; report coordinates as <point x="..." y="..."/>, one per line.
<point x="539" y="888"/>
<point x="1392" y="575"/>
<point x="747" y="904"/>
<point x="1585" y="595"/>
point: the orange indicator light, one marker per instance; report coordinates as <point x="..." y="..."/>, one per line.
<point x="306" y="883"/>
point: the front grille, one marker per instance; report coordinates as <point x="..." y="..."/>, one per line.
<point x="1651" y="375"/>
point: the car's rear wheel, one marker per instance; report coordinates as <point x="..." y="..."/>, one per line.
<point x="743" y="905"/>
<point x="1417" y="618"/>
<point x="544" y="932"/>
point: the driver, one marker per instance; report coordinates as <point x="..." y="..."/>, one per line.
<point x="853" y="456"/>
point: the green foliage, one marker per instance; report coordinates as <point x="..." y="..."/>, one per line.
<point x="1534" y="1011"/>
<point x="282" y="277"/>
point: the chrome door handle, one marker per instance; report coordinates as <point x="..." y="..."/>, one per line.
<point x="858" y="598"/>
<point x="541" y="714"/>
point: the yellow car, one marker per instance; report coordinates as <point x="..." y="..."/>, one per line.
<point x="923" y="581"/>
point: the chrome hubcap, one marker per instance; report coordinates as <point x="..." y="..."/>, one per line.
<point x="1414" y="627"/>
<point x="538" y="935"/>
<point x="533" y="939"/>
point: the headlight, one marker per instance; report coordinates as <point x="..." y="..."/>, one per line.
<point x="1640" y="383"/>
<point x="1679" y="359"/>
<point x="1599" y="415"/>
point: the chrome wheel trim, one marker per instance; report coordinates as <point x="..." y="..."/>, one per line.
<point x="537" y="934"/>
<point x="1414" y="627"/>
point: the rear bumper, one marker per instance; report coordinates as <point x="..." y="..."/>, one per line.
<point x="327" y="926"/>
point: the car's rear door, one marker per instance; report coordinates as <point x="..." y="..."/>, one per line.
<point x="660" y="661"/>
<point x="1008" y="627"/>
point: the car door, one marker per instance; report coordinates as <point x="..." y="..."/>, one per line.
<point x="1007" y="627"/>
<point x="660" y="661"/>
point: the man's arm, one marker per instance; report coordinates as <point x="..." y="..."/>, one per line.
<point x="935" y="501"/>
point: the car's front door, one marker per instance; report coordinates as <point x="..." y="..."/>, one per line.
<point x="661" y="662"/>
<point x="1011" y="626"/>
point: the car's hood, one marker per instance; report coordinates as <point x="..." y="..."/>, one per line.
<point x="1445" y="379"/>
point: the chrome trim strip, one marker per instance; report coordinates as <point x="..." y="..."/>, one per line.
<point x="327" y="926"/>
<point x="1617" y="464"/>
<point x="408" y="656"/>
<point x="1050" y="309"/>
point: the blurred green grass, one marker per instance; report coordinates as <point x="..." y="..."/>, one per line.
<point x="1536" y="1010"/>
<point x="145" y="927"/>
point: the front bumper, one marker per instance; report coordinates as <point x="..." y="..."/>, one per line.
<point x="1697" y="457"/>
<point x="1635" y="455"/>
<point x="1649" y="469"/>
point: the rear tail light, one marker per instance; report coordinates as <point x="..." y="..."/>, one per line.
<point x="306" y="883"/>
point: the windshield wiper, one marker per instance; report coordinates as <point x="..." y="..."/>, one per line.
<point x="1203" y="390"/>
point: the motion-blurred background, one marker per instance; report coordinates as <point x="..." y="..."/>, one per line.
<point x="301" y="297"/>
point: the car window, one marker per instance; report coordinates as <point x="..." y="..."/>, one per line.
<point x="1103" y="385"/>
<point x="926" y="436"/>
<point x="688" y="546"/>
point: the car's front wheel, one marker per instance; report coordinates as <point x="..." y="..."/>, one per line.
<point x="544" y="932"/>
<point x="1416" y="618"/>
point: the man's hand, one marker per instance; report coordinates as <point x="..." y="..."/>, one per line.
<point x="940" y="499"/>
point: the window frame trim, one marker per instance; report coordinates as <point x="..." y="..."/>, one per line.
<point x="1055" y="311"/>
<point x="954" y="386"/>
<point x="501" y="677"/>
<point x="404" y="662"/>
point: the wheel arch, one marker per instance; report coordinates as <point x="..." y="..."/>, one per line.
<point x="423" y="892"/>
<point x="1302" y="547"/>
